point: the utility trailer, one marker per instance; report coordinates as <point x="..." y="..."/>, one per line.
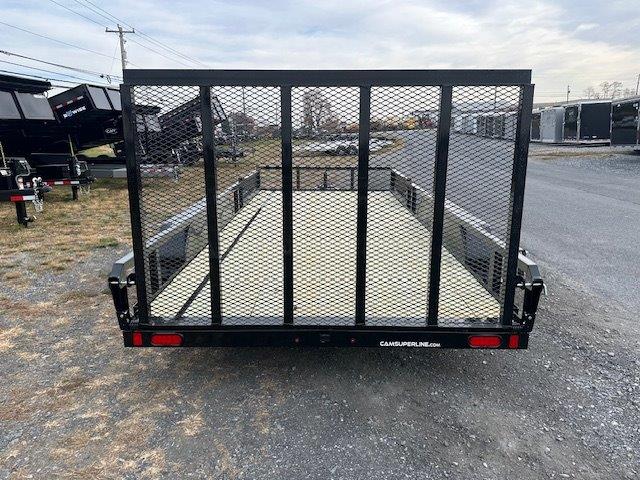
<point x="23" y="113"/>
<point x="411" y="246"/>
<point x="624" y="122"/>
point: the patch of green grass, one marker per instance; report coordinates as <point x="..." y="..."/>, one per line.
<point x="107" y="242"/>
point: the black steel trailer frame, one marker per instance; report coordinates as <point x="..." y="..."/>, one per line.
<point x="512" y="330"/>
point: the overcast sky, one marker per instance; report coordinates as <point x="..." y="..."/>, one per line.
<point x="575" y="42"/>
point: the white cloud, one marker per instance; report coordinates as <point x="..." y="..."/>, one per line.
<point x="340" y="34"/>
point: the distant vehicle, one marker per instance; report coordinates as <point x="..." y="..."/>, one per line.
<point x="339" y="147"/>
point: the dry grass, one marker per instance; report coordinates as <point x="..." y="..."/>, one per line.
<point x="66" y="230"/>
<point x="69" y="230"/>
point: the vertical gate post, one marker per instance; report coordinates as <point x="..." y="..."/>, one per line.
<point x="440" y="186"/>
<point x="287" y="200"/>
<point x="518" y="177"/>
<point x="134" y="184"/>
<point x="363" y="187"/>
<point x="211" y="188"/>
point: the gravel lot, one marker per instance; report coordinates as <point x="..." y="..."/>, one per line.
<point x="75" y="403"/>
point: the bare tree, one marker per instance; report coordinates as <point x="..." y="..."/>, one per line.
<point x="316" y="111"/>
<point x="628" y="92"/>
<point x="616" y="88"/>
<point x="605" y="88"/>
<point x="590" y="92"/>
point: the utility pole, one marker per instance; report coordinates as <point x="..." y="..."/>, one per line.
<point x="123" y="52"/>
<point x="568" y="92"/>
<point x="638" y="84"/>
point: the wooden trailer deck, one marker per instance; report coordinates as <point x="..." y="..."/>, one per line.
<point x="324" y="259"/>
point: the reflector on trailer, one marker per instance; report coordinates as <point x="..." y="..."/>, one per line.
<point x="136" y="338"/>
<point x="485" y="341"/>
<point x="514" y="341"/>
<point x="166" y="339"/>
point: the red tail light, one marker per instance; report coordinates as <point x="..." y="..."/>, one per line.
<point x="485" y="341"/>
<point x="137" y="339"/>
<point x="166" y="339"/>
<point x="514" y="341"/>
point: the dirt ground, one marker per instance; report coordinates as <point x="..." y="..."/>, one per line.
<point x="75" y="404"/>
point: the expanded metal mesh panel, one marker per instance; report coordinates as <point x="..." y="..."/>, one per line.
<point x="168" y="133"/>
<point x="408" y="140"/>
<point x="251" y="244"/>
<point x="478" y="203"/>
<point x="404" y="122"/>
<point x="325" y="131"/>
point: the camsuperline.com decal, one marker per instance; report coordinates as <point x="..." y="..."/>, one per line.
<point x="384" y="343"/>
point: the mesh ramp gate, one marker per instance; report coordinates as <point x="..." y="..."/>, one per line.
<point x="327" y="199"/>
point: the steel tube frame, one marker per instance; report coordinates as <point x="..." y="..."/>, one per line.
<point x="211" y="187"/>
<point x="440" y="187"/>
<point x="364" y="132"/>
<point x="519" y="172"/>
<point x="287" y="201"/>
<point x="134" y="184"/>
<point x="327" y="78"/>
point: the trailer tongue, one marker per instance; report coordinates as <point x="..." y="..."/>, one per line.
<point x="413" y="243"/>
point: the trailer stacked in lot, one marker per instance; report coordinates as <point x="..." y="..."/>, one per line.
<point x="624" y="122"/>
<point x="587" y="122"/>
<point x="551" y="125"/>
<point x="27" y="124"/>
<point x="535" y="124"/>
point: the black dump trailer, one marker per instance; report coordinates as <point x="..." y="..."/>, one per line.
<point x="25" y="118"/>
<point x="409" y="245"/>
<point x="94" y="114"/>
<point x="624" y="122"/>
<point x="36" y="135"/>
<point x="587" y="122"/>
<point x="181" y="129"/>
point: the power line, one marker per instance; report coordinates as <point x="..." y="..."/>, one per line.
<point x="110" y="17"/>
<point x="159" y="53"/>
<point x="77" y="13"/>
<point x="75" y="69"/>
<point x="47" y="78"/>
<point x="47" y="71"/>
<point x="55" y="40"/>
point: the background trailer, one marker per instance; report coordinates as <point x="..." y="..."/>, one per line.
<point x="535" y="125"/>
<point x="551" y="124"/>
<point x="587" y="122"/>
<point x="29" y="129"/>
<point x="624" y="122"/>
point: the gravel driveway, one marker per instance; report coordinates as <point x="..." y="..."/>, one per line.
<point x="75" y="403"/>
